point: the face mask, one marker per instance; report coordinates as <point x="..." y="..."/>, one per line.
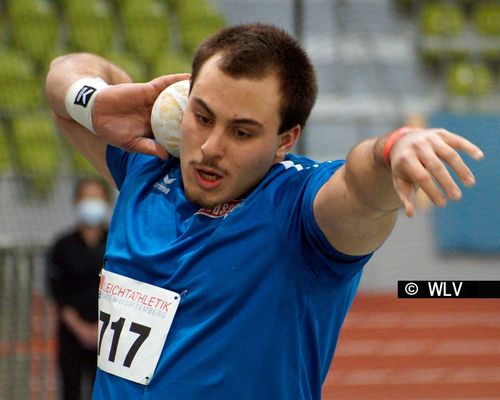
<point x="92" y="212"/>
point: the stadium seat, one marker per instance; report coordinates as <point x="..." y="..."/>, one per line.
<point x="442" y="19"/>
<point x="20" y="90"/>
<point x="469" y="79"/>
<point x="34" y="30"/>
<point x="21" y="7"/>
<point x="38" y="153"/>
<point x="441" y="27"/>
<point x="4" y="150"/>
<point x="130" y="64"/>
<point x="487" y="19"/>
<point x="171" y="63"/>
<point x="91" y="26"/>
<point x="198" y="20"/>
<point x="74" y="8"/>
<point x="146" y="28"/>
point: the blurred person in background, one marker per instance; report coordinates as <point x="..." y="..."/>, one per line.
<point x="74" y="263"/>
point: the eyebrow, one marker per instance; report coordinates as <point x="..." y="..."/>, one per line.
<point x="247" y="121"/>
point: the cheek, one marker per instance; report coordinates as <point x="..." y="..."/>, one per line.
<point x="253" y="163"/>
<point x="188" y="132"/>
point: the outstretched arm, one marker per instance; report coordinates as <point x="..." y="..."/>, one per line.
<point x="120" y="114"/>
<point x="357" y="208"/>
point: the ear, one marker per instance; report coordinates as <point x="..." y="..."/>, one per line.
<point x="287" y="140"/>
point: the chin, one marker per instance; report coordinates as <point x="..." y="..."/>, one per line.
<point x="204" y="200"/>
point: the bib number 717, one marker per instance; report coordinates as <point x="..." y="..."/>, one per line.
<point x="134" y="320"/>
<point x="117" y="327"/>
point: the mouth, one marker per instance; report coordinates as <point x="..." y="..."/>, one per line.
<point x="208" y="178"/>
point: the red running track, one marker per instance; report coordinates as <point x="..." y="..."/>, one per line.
<point x="425" y="349"/>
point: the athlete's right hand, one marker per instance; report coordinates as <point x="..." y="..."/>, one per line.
<point x="121" y="114"/>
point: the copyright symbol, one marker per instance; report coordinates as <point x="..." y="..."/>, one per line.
<point x="411" y="288"/>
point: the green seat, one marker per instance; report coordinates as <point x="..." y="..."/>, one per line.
<point x="198" y="20"/>
<point x="20" y="90"/>
<point x="442" y="20"/>
<point x="487" y="19"/>
<point x="21" y="7"/>
<point x="38" y="153"/>
<point x="171" y="63"/>
<point x="469" y="79"/>
<point x="91" y="27"/>
<point x="35" y="30"/>
<point x="4" y="149"/>
<point x="74" y="8"/>
<point x="442" y="26"/>
<point x="130" y="64"/>
<point x="146" y="28"/>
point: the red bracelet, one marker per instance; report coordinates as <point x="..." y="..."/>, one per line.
<point x="392" y="139"/>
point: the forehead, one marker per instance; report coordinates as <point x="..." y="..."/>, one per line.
<point x="91" y="189"/>
<point x="242" y="97"/>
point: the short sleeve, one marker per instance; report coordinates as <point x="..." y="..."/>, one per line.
<point x="294" y="199"/>
<point x="121" y="163"/>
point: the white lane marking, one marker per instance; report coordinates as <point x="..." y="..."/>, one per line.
<point x="413" y="376"/>
<point x="410" y="347"/>
<point x="368" y="320"/>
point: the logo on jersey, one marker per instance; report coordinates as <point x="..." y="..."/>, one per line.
<point x="84" y="95"/>
<point x="220" y="210"/>
<point x="163" y="185"/>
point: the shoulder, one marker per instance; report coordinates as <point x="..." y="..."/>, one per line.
<point x="297" y="172"/>
<point x="64" y="243"/>
<point x="66" y="237"/>
<point x="124" y="165"/>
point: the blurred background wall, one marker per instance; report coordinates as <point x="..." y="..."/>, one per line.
<point x="380" y="64"/>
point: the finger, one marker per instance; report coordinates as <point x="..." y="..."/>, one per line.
<point x="462" y="144"/>
<point x="440" y="173"/>
<point x="457" y="164"/>
<point x="164" y="81"/>
<point x="406" y="193"/>
<point x="419" y="175"/>
<point x="149" y="146"/>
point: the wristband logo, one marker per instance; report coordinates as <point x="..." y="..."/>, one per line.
<point x="84" y="95"/>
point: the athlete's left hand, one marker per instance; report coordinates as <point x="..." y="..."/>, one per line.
<point x="419" y="159"/>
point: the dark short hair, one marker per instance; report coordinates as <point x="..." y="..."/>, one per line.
<point x="93" y="180"/>
<point x="256" y="50"/>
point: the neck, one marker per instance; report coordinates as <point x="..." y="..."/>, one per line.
<point x="91" y="235"/>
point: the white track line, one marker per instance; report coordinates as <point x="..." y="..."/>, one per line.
<point x="371" y="320"/>
<point x="414" y="376"/>
<point x="414" y="347"/>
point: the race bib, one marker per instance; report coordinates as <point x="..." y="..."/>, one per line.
<point x="134" y="320"/>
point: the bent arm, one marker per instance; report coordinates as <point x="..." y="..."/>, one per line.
<point x="63" y="72"/>
<point x="120" y="114"/>
<point x="357" y="208"/>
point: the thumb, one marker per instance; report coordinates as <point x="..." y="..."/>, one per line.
<point x="149" y="146"/>
<point x="406" y="192"/>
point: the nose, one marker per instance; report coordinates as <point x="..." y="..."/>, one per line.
<point x="213" y="146"/>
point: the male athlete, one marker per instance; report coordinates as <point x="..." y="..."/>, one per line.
<point x="229" y="271"/>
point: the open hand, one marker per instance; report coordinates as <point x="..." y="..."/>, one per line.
<point x="419" y="158"/>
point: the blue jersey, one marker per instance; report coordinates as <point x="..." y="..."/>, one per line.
<point x="263" y="293"/>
